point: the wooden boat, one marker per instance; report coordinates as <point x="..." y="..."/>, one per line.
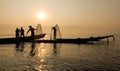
<point x="20" y="39"/>
<point x="77" y="40"/>
<point x="55" y="34"/>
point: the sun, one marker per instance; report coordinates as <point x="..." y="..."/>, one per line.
<point x="41" y="15"/>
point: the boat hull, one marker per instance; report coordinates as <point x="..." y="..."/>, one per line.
<point x="77" y="40"/>
<point x="20" y="39"/>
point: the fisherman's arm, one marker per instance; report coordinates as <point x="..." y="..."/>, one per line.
<point x="28" y="31"/>
<point x="35" y="29"/>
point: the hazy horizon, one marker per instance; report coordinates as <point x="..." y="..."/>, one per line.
<point x="73" y="16"/>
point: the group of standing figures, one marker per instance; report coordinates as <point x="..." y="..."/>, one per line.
<point x="20" y="32"/>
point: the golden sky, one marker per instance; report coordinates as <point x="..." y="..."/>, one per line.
<point x="103" y="14"/>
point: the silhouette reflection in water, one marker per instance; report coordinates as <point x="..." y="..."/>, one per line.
<point x="32" y="52"/>
<point x="56" y="48"/>
<point x="47" y="57"/>
<point x="20" y="46"/>
<point x="39" y="56"/>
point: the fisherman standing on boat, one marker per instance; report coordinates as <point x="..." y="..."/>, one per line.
<point x="32" y="32"/>
<point x="17" y="33"/>
<point x="21" y="32"/>
<point x="54" y="32"/>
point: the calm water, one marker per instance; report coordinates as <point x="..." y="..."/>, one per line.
<point x="60" y="57"/>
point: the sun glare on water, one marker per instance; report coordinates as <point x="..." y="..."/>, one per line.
<point x="41" y="15"/>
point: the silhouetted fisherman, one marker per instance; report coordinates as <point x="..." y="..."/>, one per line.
<point x="21" y="32"/>
<point x="54" y="32"/>
<point x="17" y="33"/>
<point x="32" y="32"/>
